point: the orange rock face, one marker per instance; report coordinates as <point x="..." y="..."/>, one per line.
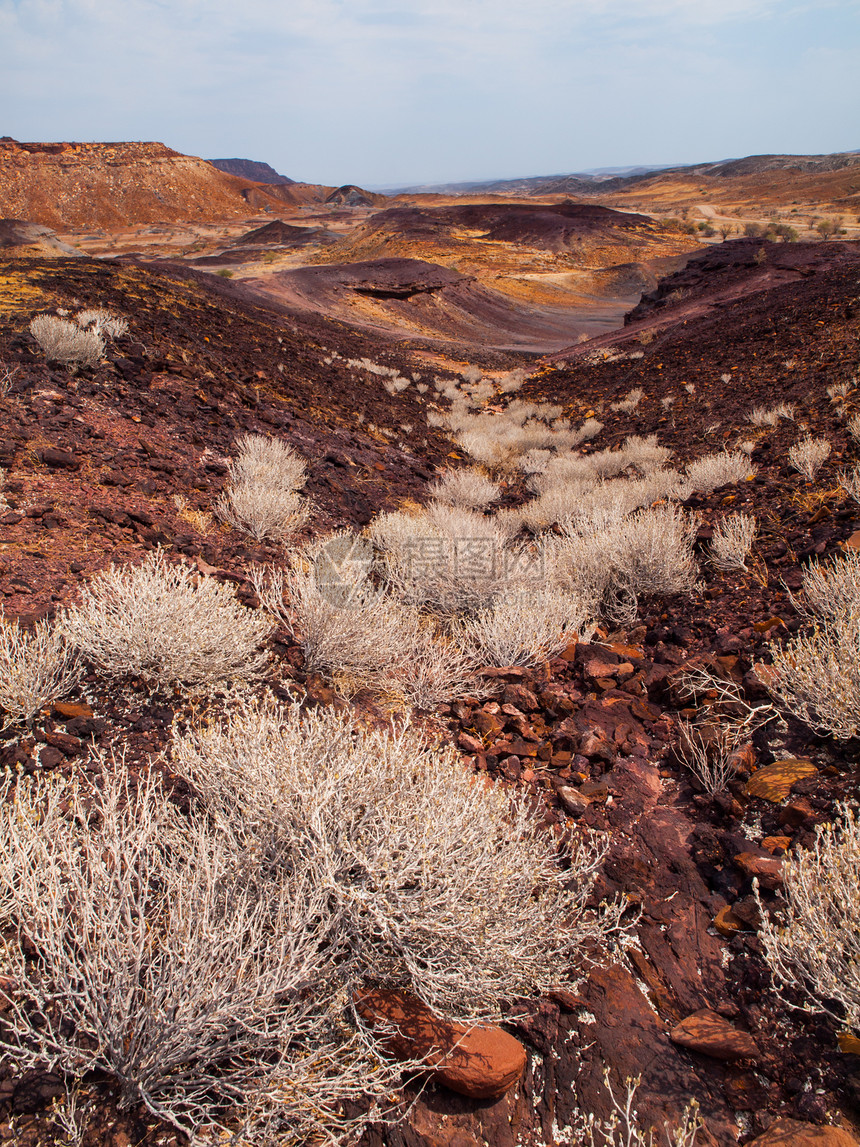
<point x="710" y="1034"/>
<point x="483" y="1061"/>
<point x="773" y="782"/>
<point x="793" y="1133"/>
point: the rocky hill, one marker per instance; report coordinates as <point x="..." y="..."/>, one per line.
<point x="66" y="185"/>
<point x="252" y="169"/>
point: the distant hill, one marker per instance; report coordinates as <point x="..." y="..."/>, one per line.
<point x="250" y="169"/>
<point x="351" y="196"/>
<point x="608" y="180"/>
<point x="107" y="185"/>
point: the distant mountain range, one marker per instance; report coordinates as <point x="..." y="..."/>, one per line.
<point x="609" y="179"/>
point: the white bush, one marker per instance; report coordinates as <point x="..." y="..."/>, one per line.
<point x="348" y="630"/>
<point x="527" y="628"/>
<point x="103" y="322"/>
<point x="812" y="946"/>
<point x="65" y="342"/>
<point x="438" y="669"/>
<point x="732" y="541"/>
<point x="716" y="470"/>
<point x="167" y="624"/>
<point x="832" y="588"/>
<point x="168" y="957"/>
<point x="817" y="674"/>
<point x="609" y="560"/>
<point x="628" y="404"/>
<point x="35" y="668"/>
<point x="445" y="559"/>
<point x="469" y="489"/>
<point x="438" y="882"/>
<point x="808" y="455"/>
<point x="262" y="496"/>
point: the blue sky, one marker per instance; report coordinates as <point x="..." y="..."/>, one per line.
<point x="384" y="92"/>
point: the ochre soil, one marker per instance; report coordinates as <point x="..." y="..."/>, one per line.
<point x="94" y="463"/>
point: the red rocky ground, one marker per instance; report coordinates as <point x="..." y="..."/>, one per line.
<point x="93" y="462"/>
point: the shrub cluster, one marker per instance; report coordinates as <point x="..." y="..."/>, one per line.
<point x="262" y="496"/>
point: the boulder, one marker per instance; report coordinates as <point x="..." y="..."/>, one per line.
<point x="710" y="1034"/>
<point x="774" y="782"/>
<point x="481" y="1061"/>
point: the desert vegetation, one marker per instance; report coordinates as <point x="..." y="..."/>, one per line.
<point x="332" y="673"/>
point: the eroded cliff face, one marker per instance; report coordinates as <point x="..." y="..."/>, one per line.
<point x="116" y="184"/>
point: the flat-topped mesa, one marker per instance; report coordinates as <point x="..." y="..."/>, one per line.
<point x="69" y="185"/>
<point x="87" y="152"/>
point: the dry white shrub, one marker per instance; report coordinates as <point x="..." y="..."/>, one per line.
<point x="623" y="1126"/>
<point x="839" y="391"/>
<point x="65" y="342"/>
<point x="716" y="470"/>
<point x="733" y="540"/>
<point x="708" y="751"/>
<point x="438" y="882"/>
<point x="763" y="416"/>
<point x="628" y="404"/>
<point x="610" y="560"/>
<point x="817" y="676"/>
<point x="812" y="946"/>
<point x="854" y="427"/>
<point x="559" y="505"/>
<point x="102" y="321"/>
<point x="467" y="488"/>
<point x="652" y="551"/>
<point x="849" y="480"/>
<point x="438" y="669"/>
<point x="512" y="381"/>
<point x="566" y="505"/>
<point x="786" y="410"/>
<point x="262" y="496"/>
<point x="526" y="628"/>
<point x="167" y="624"/>
<point x="349" y="631"/>
<point x="644" y="454"/>
<point x="808" y="455"/>
<point x="36" y="667"/>
<point x="445" y="559"/>
<point x="170" y="956"/>
<point x="832" y="588"/>
<point x="396" y="385"/>
<point x="263" y="511"/>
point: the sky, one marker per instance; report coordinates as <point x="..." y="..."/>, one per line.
<point x="404" y="92"/>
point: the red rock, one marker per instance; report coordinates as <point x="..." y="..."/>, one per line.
<point x="793" y="1133"/>
<point x="59" y="459"/>
<point x="521" y="697"/>
<point x="573" y="801"/>
<point x="71" y="709"/>
<point x="483" y="1062"/>
<point x="794" y="814"/>
<point x="776" y="843"/>
<point x="710" y="1034"/>
<point x="65" y="742"/>
<point x="766" y="869"/>
<point x="469" y="744"/>
<point x="626" y="652"/>
<point x="597" y="667"/>
<point x="726" y="922"/>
